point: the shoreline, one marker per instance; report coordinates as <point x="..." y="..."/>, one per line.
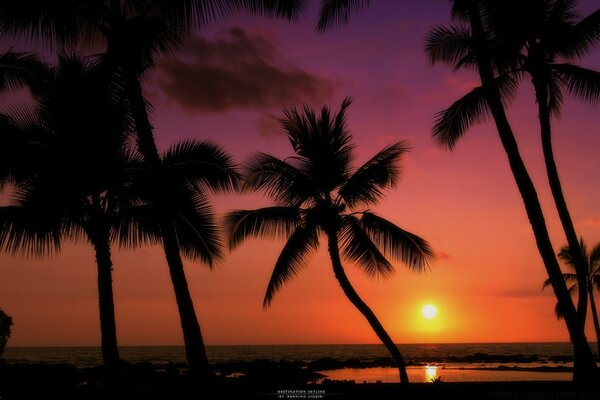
<point x="261" y="381"/>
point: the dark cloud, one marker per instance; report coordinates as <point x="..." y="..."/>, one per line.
<point x="526" y="292"/>
<point x="238" y="70"/>
<point x="269" y="125"/>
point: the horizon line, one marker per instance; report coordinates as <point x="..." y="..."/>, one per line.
<point x="294" y="344"/>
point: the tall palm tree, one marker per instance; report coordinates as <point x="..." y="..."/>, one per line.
<point x="592" y="281"/>
<point x="547" y="37"/>
<point x="174" y="197"/>
<point x="69" y="154"/>
<point x="134" y="32"/>
<point x="131" y="209"/>
<point x="471" y="44"/>
<point x="316" y="193"/>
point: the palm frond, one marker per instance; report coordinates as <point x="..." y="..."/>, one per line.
<point x="594" y="260"/>
<point x="338" y="12"/>
<point x="566" y="256"/>
<point x="28" y="231"/>
<point x="557" y="309"/>
<point x="322" y="143"/>
<point x="568" y="278"/>
<point x="402" y="245"/>
<point x="270" y="222"/>
<point x="198" y="14"/>
<point x="20" y="148"/>
<point x="449" y="44"/>
<point x="290" y="9"/>
<point x="586" y="36"/>
<point x="382" y="171"/>
<point x="452" y="123"/>
<point x="135" y="226"/>
<point x="59" y="23"/>
<point x="292" y="259"/>
<point x="204" y="164"/>
<point x="197" y="231"/>
<point x="581" y="82"/>
<point x="555" y="96"/>
<point x="277" y="179"/>
<point x="19" y="70"/>
<point x="358" y="248"/>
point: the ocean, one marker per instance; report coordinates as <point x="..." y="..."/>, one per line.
<point x="427" y="362"/>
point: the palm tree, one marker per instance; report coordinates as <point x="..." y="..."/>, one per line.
<point x="546" y="38"/>
<point x="471" y="44"/>
<point x="134" y="32"/>
<point x="592" y="281"/>
<point x="174" y="197"/>
<point x="316" y="193"/>
<point x="70" y="161"/>
<point x="106" y="193"/>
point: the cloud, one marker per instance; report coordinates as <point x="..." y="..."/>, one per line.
<point x="238" y="70"/>
<point x="443" y="256"/>
<point x="592" y="221"/>
<point x="520" y="293"/>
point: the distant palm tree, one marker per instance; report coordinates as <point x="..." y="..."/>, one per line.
<point x="546" y="36"/>
<point x="592" y="264"/>
<point x="316" y="193"/>
<point x="68" y="155"/>
<point x="134" y="32"/>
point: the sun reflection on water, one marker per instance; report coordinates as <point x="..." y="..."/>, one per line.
<point x="431" y="373"/>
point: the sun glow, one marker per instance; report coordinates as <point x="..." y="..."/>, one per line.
<point x="429" y="311"/>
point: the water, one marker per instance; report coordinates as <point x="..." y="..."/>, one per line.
<point x="448" y="362"/>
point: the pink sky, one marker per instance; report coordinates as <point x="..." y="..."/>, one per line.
<point x="487" y="280"/>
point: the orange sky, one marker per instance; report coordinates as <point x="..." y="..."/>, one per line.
<point x="487" y="280"/>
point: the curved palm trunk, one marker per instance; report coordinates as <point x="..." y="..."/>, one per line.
<point x="355" y="299"/>
<point x="595" y="317"/>
<point x="99" y="237"/>
<point x="541" y="93"/>
<point x="194" y="344"/>
<point x="585" y="369"/>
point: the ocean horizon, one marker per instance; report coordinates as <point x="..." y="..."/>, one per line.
<point x="359" y="362"/>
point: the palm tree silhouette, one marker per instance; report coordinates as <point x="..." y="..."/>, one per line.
<point x="469" y="44"/>
<point x="473" y="46"/>
<point x="134" y="32"/>
<point x="316" y="193"/>
<point x="107" y="193"/>
<point x="69" y="155"/>
<point x="592" y="279"/>
<point x="546" y="36"/>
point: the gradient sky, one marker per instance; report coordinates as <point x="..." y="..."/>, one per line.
<point x="228" y="84"/>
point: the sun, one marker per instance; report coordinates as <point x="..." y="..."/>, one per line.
<point x="429" y="311"/>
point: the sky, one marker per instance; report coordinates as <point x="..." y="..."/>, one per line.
<point x="229" y="84"/>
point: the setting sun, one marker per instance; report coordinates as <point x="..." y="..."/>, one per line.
<point x="429" y="311"/>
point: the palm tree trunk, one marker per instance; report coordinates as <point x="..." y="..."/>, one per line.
<point x="355" y="299"/>
<point x="194" y="344"/>
<point x="101" y="242"/>
<point x="585" y="369"/>
<point x="541" y="93"/>
<point x="143" y="127"/>
<point x="192" y="336"/>
<point x="595" y="317"/>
